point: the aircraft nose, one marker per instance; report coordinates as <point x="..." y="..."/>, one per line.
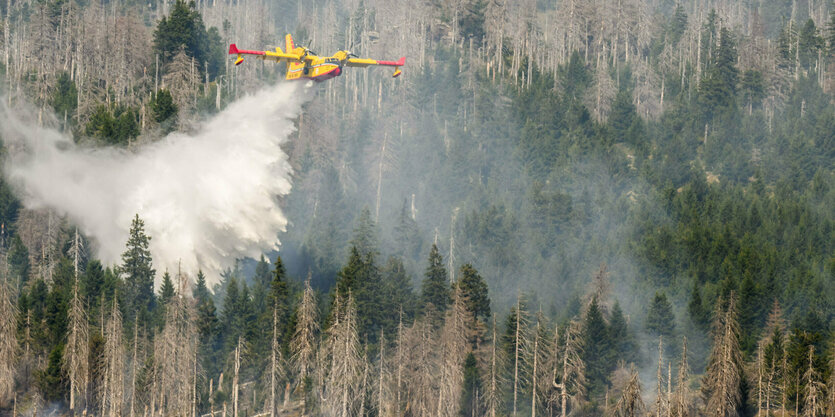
<point x="337" y="72"/>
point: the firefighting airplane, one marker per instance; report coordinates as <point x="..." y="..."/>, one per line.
<point x="303" y="63"/>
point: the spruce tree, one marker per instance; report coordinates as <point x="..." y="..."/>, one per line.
<point x="166" y="290"/>
<point x="597" y="348"/>
<point x="472" y="389"/>
<point x="660" y="318"/>
<point x="398" y="292"/>
<point x="474" y="290"/>
<point x="624" y="346"/>
<point x="436" y="289"/>
<point x="138" y="274"/>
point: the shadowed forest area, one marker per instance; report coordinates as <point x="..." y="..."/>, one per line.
<point x="586" y="208"/>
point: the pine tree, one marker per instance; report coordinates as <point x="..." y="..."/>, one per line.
<point x="166" y="290"/>
<point x="139" y="274"/>
<point x="365" y="234"/>
<point x="660" y="319"/>
<point x="474" y="290"/>
<point x="279" y="294"/>
<point x="472" y="387"/>
<point x="164" y="110"/>
<point x="436" y="289"/>
<point x="597" y="348"/>
<point x="623" y="341"/>
<point x="406" y="233"/>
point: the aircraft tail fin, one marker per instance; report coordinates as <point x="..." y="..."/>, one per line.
<point x="289" y="45"/>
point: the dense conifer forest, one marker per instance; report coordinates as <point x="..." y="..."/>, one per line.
<point x="585" y="208"/>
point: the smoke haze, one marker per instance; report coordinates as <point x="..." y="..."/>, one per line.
<point x="206" y="198"/>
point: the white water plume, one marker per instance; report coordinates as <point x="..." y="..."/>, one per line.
<point x="206" y="198"/>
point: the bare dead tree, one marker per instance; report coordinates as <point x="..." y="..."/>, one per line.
<point x="493" y="394"/>
<point x="77" y="350"/>
<point x="721" y="383"/>
<point x="8" y="339"/>
<point x="813" y="391"/>
<point x="112" y="364"/>
<point x="174" y="357"/>
<point x="454" y="349"/>
<point x="275" y="367"/>
<point x="661" y="405"/>
<point x="345" y="374"/>
<point x="682" y="402"/>
<point x="573" y="379"/>
<point x="630" y="403"/>
<point x="303" y="342"/>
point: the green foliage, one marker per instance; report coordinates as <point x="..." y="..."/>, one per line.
<point x="18" y="261"/>
<point x="138" y="298"/>
<point x="65" y="97"/>
<point x="166" y="290"/>
<point x="717" y="90"/>
<point x="678" y="24"/>
<point x="660" y="319"/>
<point x="474" y="290"/>
<point x="116" y="126"/>
<point x="810" y="44"/>
<point x="472" y="387"/>
<point x="184" y="27"/>
<point x="436" y="289"/>
<point x="164" y="110"/>
<point x="597" y="349"/>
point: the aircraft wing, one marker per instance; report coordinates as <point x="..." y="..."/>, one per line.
<point x="276" y="56"/>
<point x="364" y="62"/>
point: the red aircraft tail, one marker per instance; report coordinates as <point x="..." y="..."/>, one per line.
<point x="233" y="49"/>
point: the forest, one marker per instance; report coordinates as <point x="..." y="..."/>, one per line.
<point x="566" y="208"/>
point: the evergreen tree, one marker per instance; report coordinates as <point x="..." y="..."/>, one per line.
<point x="208" y="326"/>
<point x="166" y="290"/>
<point x="474" y="290"/>
<point x="18" y="258"/>
<point x="406" y="233"/>
<point x="597" y="351"/>
<point x="698" y="313"/>
<point x="436" y="289"/>
<point x="184" y="27"/>
<point x="365" y="234"/>
<point x="624" y="345"/>
<point x="660" y="318"/>
<point x="398" y="292"/>
<point x="471" y="387"/>
<point x="65" y="97"/>
<point x="810" y="44"/>
<point x="138" y="273"/>
<point x="164" y="109"/>
<point x="717" y="90"/>
<point x="678" y="24"/>
<point x="92" y="287"/>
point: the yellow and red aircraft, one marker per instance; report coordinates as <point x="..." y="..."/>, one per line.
<point x="303" y="63"/>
